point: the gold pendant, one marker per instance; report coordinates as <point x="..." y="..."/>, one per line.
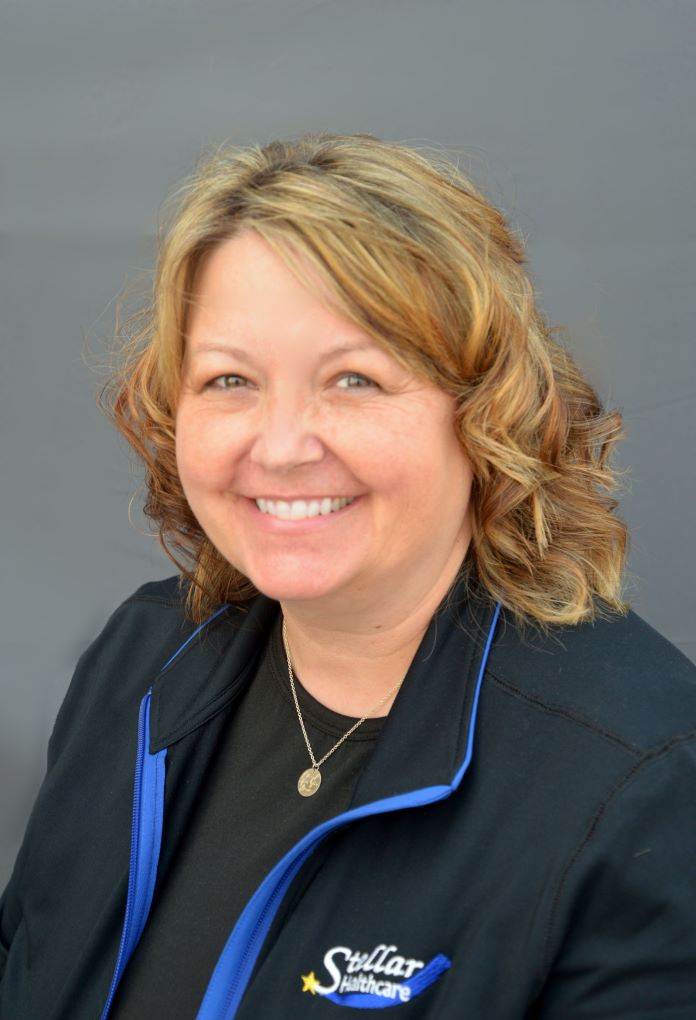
<point x="309" y="782"/>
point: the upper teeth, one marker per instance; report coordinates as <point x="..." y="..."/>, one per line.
<point x="301" y="508"/>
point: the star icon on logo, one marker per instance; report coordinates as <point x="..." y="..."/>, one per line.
<point x="309" y="982"/>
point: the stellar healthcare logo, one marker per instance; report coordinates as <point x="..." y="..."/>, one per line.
<point x="376" y="979"/>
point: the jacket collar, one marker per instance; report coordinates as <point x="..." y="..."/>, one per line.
<point x="425" y="735"/>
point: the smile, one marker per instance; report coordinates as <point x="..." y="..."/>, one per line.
<point x="299" y="509"/>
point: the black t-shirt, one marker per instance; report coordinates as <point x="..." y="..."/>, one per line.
<point x="249" y="816"/>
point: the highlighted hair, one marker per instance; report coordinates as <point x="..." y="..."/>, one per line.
<point x="413" y="253"/>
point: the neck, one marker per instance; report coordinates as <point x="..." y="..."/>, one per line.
<point x="349" y="654"/>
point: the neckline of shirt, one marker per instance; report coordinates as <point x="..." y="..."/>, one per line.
<point x="323" y="719"/>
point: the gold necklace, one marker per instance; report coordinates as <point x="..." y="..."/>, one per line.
<point x="310" y="780"/>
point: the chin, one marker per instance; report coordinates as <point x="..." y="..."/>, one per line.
<point x="299" y="586"/>
<point x="293" y="591"/>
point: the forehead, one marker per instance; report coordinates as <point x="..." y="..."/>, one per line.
<point x="246" y="292"/>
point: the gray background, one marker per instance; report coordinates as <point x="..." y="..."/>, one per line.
<point x="575" y="116"/>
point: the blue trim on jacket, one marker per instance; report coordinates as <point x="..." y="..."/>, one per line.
<point x="238" y="958"/>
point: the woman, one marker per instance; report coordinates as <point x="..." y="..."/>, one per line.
<point x="397" y="740"/>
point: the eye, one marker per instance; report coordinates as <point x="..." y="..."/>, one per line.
<point x="227" y="382"/>
<point x="354" y="381"/>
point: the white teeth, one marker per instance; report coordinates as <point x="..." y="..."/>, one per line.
<point x="298" y="509"/>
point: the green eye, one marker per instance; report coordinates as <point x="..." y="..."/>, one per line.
<point x="229" y="382"/>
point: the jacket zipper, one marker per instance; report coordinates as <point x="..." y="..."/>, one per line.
<point x="148" y="786"/>
<point x="146" y="837"/>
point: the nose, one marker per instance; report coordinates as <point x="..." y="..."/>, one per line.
<point x="286" y="435"/>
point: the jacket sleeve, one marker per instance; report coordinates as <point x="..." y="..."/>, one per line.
<point x="84" y="701"/>
<point x="623" y="936"/>
<point x="68" y="716"/>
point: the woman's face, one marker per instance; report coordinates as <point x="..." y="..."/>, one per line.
<point x="286" y="408"/>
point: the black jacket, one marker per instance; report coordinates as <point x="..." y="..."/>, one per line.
<point x="538" y="865"/>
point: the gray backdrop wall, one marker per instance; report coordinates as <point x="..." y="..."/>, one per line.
<point x="575" y="116"/>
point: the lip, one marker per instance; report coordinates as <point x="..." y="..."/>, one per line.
<point x="307" y="499"/>
<point x="275" y="525"/>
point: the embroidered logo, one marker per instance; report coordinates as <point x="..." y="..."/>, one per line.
<point x="373" y="980"/>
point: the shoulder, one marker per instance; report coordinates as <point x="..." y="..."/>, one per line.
<point x="167" y="591"/>
<point x="119" y="666"/>
<point x="617" y="676"/>
<point x="151" y="625"/>
<point x="141" y="632"/>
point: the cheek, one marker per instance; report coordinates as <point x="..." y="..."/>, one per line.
<point x="185" y="445"/>
<point x="418" y="459"/>
<point x="196" y="452"/>
<point x="442" y="479"/>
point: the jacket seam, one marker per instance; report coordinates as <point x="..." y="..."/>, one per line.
<point x="649" y="758"/>
<point x="192" y="643"/>
<point x="565" y="713"/>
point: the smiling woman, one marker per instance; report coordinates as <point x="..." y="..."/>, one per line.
<point x="262" y="461"/>
<point x="400" y="743"/>
<point x="405" y="252"/>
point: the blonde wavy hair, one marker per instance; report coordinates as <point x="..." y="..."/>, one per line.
<point x="414" y="254"/>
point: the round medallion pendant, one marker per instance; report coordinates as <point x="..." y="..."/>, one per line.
<point x="309" y="782"/>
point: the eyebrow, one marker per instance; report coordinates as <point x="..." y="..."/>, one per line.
<point x="215" y="347"/>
